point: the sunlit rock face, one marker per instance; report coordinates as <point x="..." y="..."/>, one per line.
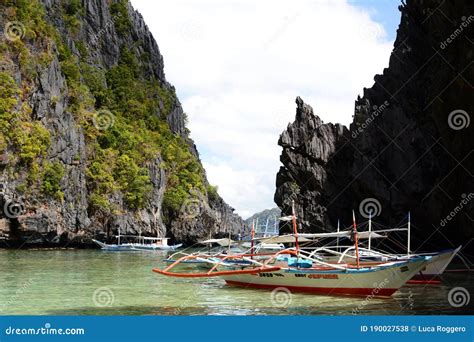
<point x="96" y="33"/>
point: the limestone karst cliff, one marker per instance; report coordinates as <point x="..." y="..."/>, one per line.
<point x="93" y="138"/>
<point x="410" y="146"/>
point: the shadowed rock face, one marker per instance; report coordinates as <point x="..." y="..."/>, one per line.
<point x="45" y="221"/>
<point x="410" y="145"/>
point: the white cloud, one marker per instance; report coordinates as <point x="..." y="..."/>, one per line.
<point x="239" y="65"/>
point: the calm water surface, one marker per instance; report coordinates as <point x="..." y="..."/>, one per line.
<point x="93" y="282"/>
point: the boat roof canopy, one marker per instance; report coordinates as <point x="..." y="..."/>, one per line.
<point x="347" y="233"/>
<point x="290" y="238"/>
<point x="221" y="242"/>
<point x="283" y="239"/>
<point x="143" y="237"/>
<point x="361" y="235"/>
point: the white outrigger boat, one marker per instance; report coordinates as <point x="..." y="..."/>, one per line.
<point x="428" y="275"/>
<point x="382" y="280"/>
<point x="298" y="270"/>
<point x="138" y="243"/>
<point x="227" y="246"/>
<point x="214" y="248"/>
<point x="142" y="244"/>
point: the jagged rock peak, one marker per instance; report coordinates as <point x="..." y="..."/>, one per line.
<point x="410" y="144"/>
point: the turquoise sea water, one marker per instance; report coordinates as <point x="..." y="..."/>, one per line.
<point x="94" y="282"/>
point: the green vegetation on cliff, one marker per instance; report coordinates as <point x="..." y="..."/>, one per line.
<point x="52" y="175"/>
<point x="24" y="140"/>
<point x="122" y="112"/>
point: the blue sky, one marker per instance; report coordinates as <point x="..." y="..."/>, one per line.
<point x="383" y="11"/>
<point x="238" y="67"/>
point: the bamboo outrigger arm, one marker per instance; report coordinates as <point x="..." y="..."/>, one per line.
<point x="216" y="274"/>
<point x="211" y="272"/>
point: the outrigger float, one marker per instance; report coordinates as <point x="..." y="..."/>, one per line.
<point x="302" y="271"/>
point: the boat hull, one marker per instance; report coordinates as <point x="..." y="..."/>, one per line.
<point x="433" y="268"/>
<point x="437" y="265"/>
<point x="380" y="281"/>
<point x="328" y="291"/>
<point x="136" y="247"/>
<point x="156" y="247"/>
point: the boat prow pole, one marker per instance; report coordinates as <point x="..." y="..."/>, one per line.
<point x="409" y="234"/>
<point x="356" y="238"/>
<point x="295" y="228"/>
<point x="370" y="230"/>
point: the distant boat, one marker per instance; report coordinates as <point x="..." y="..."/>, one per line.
<point x="142" y="244"/>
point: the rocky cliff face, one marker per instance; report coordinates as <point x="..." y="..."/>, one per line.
<point x="93" y="138"/>
<point x="262" y="216"/>
<point x="410" y="145"/>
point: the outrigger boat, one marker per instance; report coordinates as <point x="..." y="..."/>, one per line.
<point x="142" y="244"/>
<point x="297" y="270"/>
<point x="224" y="248"/>
<point x="214" y="248"/>
<point x="220" y="248"/>
<point x="138" y="243"/>
<point x="430" y="274"/>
